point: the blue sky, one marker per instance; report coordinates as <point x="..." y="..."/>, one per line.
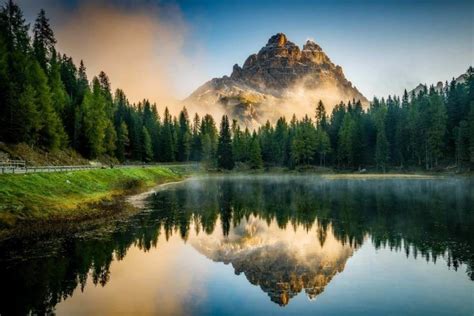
<point x="383" y="46"/>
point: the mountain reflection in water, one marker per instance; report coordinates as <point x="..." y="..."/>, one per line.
<point x="287" y="235"/>
<point x="281" y="262"/>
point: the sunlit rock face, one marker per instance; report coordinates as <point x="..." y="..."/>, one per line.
<point x="281" y="79"/>
<point x="283" y="262"/>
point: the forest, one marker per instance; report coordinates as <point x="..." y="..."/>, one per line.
<point x="47" y="101"/>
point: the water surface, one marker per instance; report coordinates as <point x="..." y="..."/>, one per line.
<point x="261" y="245"/>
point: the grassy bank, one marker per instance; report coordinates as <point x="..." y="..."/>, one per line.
<point x="71" y="195"/>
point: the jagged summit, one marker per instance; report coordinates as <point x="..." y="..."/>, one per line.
<point x="278" y="40"/>
<point x="274" y="76"/>
<point x="312" y="46"/>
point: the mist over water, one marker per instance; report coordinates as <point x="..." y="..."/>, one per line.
<point x="261" y="244"/>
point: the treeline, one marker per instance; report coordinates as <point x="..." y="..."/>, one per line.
<point x="47" y="101"/>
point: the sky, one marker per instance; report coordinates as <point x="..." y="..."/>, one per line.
<point x="165" y="49"/>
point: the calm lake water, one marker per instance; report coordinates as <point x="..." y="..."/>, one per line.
<point x="262" y="245"/>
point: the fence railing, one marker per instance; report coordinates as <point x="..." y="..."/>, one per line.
<point x="12" y="164"/>
<point x="20" y="166"/>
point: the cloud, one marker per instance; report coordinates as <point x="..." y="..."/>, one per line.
<point x="145" y="50"/>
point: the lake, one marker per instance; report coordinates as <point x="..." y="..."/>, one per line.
<point x="260" y="245"/>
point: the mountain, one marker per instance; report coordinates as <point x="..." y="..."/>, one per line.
<point x="440" y="85"/>
<point x="281" y="79"/>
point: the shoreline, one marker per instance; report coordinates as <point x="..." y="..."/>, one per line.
<point x="33" y="203"/>
<point x="118" y="204"/>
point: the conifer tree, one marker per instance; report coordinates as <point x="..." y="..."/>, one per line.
<point x="184" y="136"/>
<point x="95" y="122"/>
<point x="437" y="128"/>
<point x="196" y="146"/>
<point x="304" y="142"/>
<point x="255" y="154"/>
<point x="167" y="144"/>
<point x="43" y="41"/>
<point x="122" y="141"/>
<point x="382" y="144"/>
<point x="146" y="145"/>
<point x="225" y="159"/>
<point x="51" y="132"/>
<point x="345" y="145"/>
<point x="321" y="116"/>
<point x="323" y="145"/>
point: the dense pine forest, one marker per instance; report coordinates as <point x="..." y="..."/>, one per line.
<point x="47" y="101"/>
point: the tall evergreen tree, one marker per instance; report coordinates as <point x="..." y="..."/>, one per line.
<point x="345" y="141"/>
<point x="382" y="144"/>
<point x="184" y="136"/>
<point x="167" y="144"/>
<point x="146" y="145"/>
<point x="43" y="41"/>
<point x="255" y="154"/>
<point x="225" y="159"/>
<point x="321" y="116"/>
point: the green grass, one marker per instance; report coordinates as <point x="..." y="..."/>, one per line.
<point x="63" y="194"/>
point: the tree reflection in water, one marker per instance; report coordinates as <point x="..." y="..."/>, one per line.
<point x="252" y="223"/>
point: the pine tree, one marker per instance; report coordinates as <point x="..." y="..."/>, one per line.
<point x="95" y="121"/>
<point x="51" y="132"/>
<point x="382" y="144"/>
<point x="207" y="150"/>
<point x="58" y="91"/>
<point x="196" y="146"/>
<point x="43" y="41"/>
<point x="321" y="116"/>
<point x="238" y="146"/>
<point x="122" y="141"/>
<point x="267" y="143"/>
<point x="255" y="154"/>
<point x="225" y="159"/>
<point x="208" y="127"/>
<point x="28" y="117"/>
<point x="304" y="142"/>
<point x="345" y="145"/>
<point x="281" y="139"/>
<point x="146" y="145"/>
<point x="437" y="128"/>
<point x="403" y="132"/>
<point x="14" y="27"/>
<point x="323" y="145"/>
<point x="167" y="144"/>
<point x="184" y="136"/>
<point x="14" y="71"/>
<point x="471" y="132"/>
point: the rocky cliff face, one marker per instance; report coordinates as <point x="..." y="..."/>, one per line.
<point x="281" y="79"/>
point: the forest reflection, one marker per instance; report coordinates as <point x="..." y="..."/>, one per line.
<point x="257" y="224"/>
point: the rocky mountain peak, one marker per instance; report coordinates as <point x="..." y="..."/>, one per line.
<point x="277" y="40"/>
<point x="312" y="46"/>
<point x="279" y="71"/>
